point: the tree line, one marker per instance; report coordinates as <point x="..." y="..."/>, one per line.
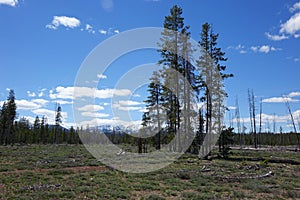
<point x="40" y="132"/>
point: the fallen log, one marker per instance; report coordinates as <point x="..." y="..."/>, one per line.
<point x="269" y="174"/>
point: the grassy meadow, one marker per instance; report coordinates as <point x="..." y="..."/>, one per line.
<point x="70" y="172"/>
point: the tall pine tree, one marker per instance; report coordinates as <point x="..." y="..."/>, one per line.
<point x="212" y="76"/>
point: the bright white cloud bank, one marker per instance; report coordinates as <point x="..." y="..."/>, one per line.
<point x="77" y="92"/>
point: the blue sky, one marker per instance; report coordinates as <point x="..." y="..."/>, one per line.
<point x="43" y="44"/>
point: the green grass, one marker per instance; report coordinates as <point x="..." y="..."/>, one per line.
<point x="70" y="172"/>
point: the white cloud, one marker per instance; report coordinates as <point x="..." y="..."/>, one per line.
<point x="127" y="105"/>
<point x="23" y="104"/>
<point x="269" y="118"/>
<point x="41" y="92"/>
<point x="276" y="37"/>
<point x="107" y="5"/>
<point x="77" y="92"/>
<point x="279" y="100"/>
<point x="91" y="108"/>
<point x="62" y="102"/>
<point x="264" y="49"/>
<point x="12" y="3"/>
<point x="89" y="29"/>
<point x="27" y="105"/>
<point x="254" y="48"/>
<point x="30" y="105"/>
<point x="68" y="22"/>
<point x="136" y="95"/>
<point x="42" y="102"/>
<point x="295" y="7"/>
<point x="294" y="94"/>
<point x="31" y="94"/>
<point x="240" y="48"/>
<point x="101" y="76"/>
<point x="110" y="31"/>
<point x="292" y="25"/>
<point x="103" y="32"/>
<point x="94" y="114"/>
<point x="231" y="107"/>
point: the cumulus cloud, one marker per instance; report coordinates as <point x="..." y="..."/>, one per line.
<point x="27" y="105"/>
<point x="31" y="94"/>
<point x="109" y="31"/>
<point x="12" y="3"/>
<point x="91" y="108"/>
<point x="30" y="105"/>
<point x="264" y="49"/>
<point x="276" y="37"/>
<point x="42" y="102"/>
<point x="240" y="48"/>
<point x="231" y="107"/>
<point x="267" y="118"/>
<point x="68" y="22"/>
<point x="295" y="7"/>
<point x="292" y="25"/>
<point x="294" y="94"/>
<point x="62" y="102"/>
<point x="103" y="32"/>
<point x="101" y="76"/>
<point x="89" y="28"/>
<point x="78" y="92"/>
<point x="94" y="114"/>
<point x="127" y="105"/>
<point x="41" y="92"/>
<point x="279" y="100"/>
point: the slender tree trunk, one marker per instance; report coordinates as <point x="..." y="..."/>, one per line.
<point x="293" y="122"/>
<point x="254" y="121"/>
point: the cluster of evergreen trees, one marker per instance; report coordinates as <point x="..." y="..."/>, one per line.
<point x="172" y="95"/>
<point x="40" y="132"/>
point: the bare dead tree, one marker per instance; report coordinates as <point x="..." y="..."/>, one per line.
<point x="250" y="110"/>
<point x="238" y="119"/>
<point x="260" y="121"/>
<point x="292" y="119"/>
<point x="274" y="123"/>
<point x="252" y="116"/>
<point x="260" y="116"/>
